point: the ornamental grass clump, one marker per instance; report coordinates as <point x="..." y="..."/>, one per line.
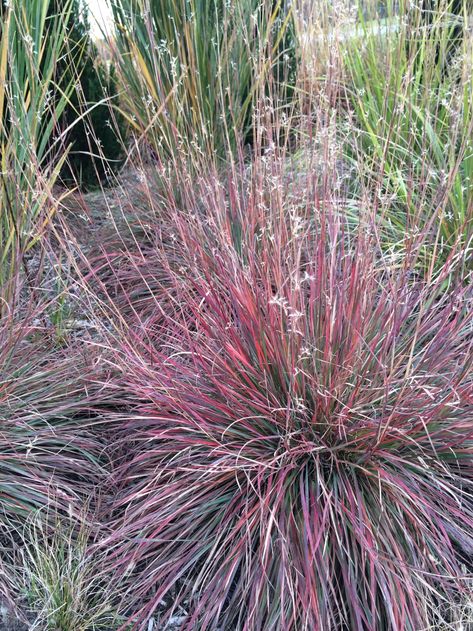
<point x="193" y="69"/>
<point x="298" y="454"/>
<point x="51" y="452"/>
<point x="61" y="576"/>
<point x="409" y="87"/>
<point x="31" y="147"/>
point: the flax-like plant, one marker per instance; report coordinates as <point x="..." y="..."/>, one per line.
<point x="32" y="42"/>
<point x="191" y="70"/>
<point x="409" y="83"/>
<point x="299" y="452"/>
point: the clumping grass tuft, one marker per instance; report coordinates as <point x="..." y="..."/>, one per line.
<point x="62" y="576"/>
<point x="194" y="69"/>
<point x="299" y="451"/>
<point x="32" y="148"/>
<point x="409" y="86"/>
<point x="51" y="452"/>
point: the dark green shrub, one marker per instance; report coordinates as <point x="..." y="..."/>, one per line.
<point x="94" y="131"/>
